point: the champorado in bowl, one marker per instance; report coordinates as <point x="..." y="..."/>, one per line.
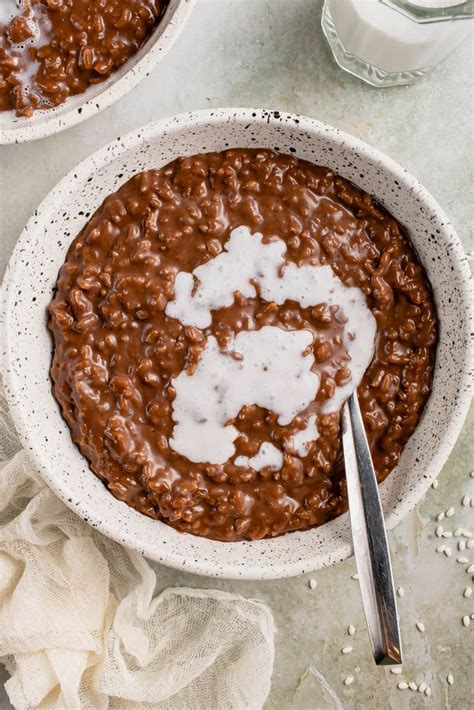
<point x="63" y="62"/>
<point x="210" y="143"/>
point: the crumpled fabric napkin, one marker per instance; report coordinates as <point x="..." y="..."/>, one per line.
<point x="80" y="626"/>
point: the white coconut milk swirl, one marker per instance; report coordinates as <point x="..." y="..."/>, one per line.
<point x="274" y="366"/>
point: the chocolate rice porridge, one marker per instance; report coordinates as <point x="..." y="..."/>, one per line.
<point x="53" y="49"/>
<point x="209" y="322"/>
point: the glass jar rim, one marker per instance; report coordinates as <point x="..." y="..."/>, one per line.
<point x="425" y="11"/>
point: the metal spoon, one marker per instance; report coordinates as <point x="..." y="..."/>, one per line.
<point x="370" y="539"/>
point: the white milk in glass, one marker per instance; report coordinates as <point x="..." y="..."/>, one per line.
<point x="390" y="42"/>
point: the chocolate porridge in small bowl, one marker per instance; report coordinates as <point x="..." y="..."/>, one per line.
<point x="61" y="61"/>
<point x="226" y="280"/>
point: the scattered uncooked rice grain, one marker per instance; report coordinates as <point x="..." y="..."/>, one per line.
<point x="466" y="500"/>
<point x="428" y="692"/>
<point x="400" y="591"/>
<point x="440" y="517"/>
<point x="450" y="512"/>
<point x="347" y="649"/>
<point x="448" y="552"/>
<point x="457" y="532"/>
<point x="396" y="671"/>
<point x="349" y="680"/>
<point x="441" y="548"/>
<point x="402" y="685"/>
<point x="413" y="686"/>
<point x="450" y="679"/>
<point x="439" y="531"/>
<point x="422" y="687"/>
<point x="435" y="484"/>
<point x="470" y="569"/>
<point x="462" y="560"/>
<point x="472" y="474"/>
<point x="461" y="545"/>
<point x="467" y="533"/>
<point x="420" y="626"/>
<point x="355" y="576"/>
<point x="448" y="533"/>
<point x="351" y="630"/>
<point x="312" y="584"/>
<point x="466" y="621"/>
<point x="467" y="592"/>
<point x="470" y="544"/>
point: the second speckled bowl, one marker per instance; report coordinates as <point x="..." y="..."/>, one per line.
<point x="41" y="250"/>
<point x="99" y="96"/>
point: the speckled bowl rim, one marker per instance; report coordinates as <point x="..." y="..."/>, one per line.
<point x="96" y="98"/>
<point x="342" y="549"/>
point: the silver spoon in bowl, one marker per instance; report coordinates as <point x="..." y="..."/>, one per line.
<point x="370" y="539"/>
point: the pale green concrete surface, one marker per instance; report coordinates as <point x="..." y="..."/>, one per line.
<point x="271" y="53"/>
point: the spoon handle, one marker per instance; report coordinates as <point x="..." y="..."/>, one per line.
<point x="370" y="539"/>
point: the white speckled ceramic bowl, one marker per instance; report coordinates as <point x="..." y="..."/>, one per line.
<point x="40" y="252"/>
<point x="100" y="96"/>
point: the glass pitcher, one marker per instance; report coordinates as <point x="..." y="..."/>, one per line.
<point x="393" y="42"/>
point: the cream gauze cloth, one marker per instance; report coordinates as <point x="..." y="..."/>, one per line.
<point x="80" y="626"/>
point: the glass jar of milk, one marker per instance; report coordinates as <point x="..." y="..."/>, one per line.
<point x="392" y="42"/>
